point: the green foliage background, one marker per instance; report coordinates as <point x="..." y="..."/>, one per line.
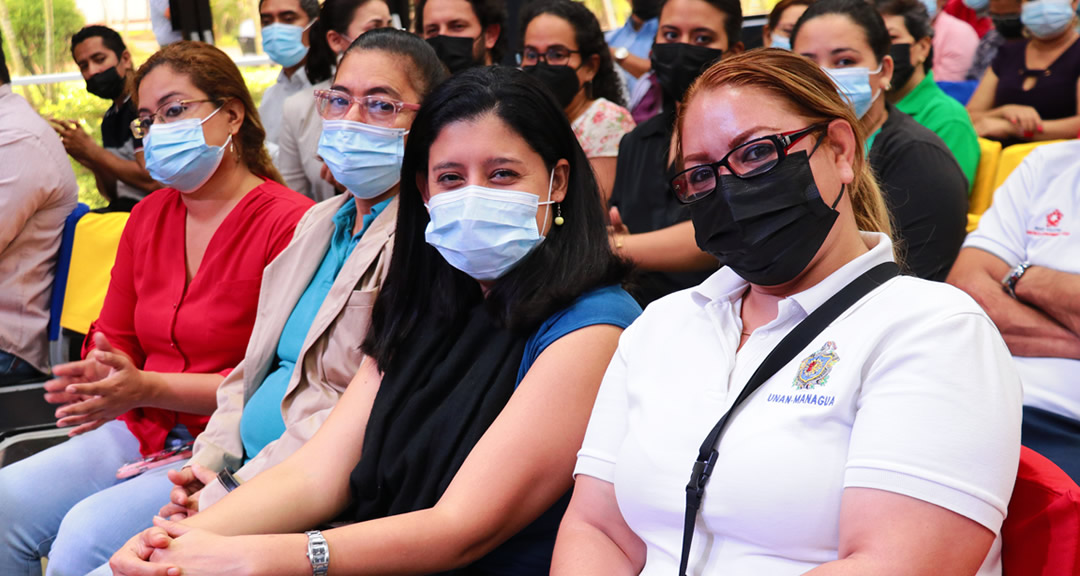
<point x="28" y="20"/>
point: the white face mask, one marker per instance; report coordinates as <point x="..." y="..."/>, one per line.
<point x="484" y="232"/>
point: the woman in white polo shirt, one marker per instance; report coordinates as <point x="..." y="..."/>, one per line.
<point x="887" y="445"/>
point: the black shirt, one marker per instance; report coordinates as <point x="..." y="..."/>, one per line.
<point x="643" y="196"/>
<point x="116" y="137"/>
<point x="116" y="126"/>
<point x="926" y="192"/>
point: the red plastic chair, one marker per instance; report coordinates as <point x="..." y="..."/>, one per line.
<point x="1041" y="535"/>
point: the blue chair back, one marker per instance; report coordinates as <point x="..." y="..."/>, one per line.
<point x="960" y="91"/>
<point x="63" y="264"/>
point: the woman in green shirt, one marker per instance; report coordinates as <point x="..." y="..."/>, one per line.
<point x="913" y="89"/>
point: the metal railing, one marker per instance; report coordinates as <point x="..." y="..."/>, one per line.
<point x="242" y="62"/>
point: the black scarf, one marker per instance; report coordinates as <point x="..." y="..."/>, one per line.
<point x="443" y="390"/>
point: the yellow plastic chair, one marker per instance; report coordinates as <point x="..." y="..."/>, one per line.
<point x="985" y="176"/>
<point x="1012" y="156"/>
<point x="97" y="237"/>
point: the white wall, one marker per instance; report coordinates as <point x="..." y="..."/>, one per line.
<point x="112" y="11"/>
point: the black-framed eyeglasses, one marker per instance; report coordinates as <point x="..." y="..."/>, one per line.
<point x="553" y="56"/>
<point x="754" y="158"/>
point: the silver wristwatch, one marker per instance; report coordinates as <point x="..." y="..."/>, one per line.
<point x="318" y="553"/>
<point x="1008" y="283"/>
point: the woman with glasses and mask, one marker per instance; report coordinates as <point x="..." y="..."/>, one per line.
<point x="1032" y="90"/>
<point x="316" y="305"/>
<point x="922" y="183"/>
<point x="565" y="49"/>
<point x="340" y="21"/>
<point x="864" y="450"/>
<point x="648" y="227"/>
<point x="451" y="449"/>
<point x="464" y="33"/>
<point x="176" y="318"/>
<point x="914" y="91"/>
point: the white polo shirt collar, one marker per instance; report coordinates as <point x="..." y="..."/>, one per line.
<point x="725" y="286"/>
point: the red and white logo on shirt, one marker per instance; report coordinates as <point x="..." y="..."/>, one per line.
<point x="1052" y="227"/>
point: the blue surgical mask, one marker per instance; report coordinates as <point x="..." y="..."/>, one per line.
<point x="178" y="156"/>
<point x="284" y="43"/>
<point x="484" y="232"/>
<point x="931" y="7"/>
<point x="780" y="42"/>
<point x="854" y="86"/>
<point x="365" y="159"/>
<point x="1047" y="18"/>
<point x="977" y="5"/>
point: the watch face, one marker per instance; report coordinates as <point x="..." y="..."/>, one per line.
<point x="621" y="53"/>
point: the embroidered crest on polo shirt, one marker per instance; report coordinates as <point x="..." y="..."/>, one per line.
<point x="815" y="368"/>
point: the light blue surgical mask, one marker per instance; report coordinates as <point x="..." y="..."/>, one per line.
<point x="365" y="159"/>
<point x="178" y="156"/>
<point x="484" y="232"/>
<point x="1047" y="18"/>
<point x="931" y="7"/>
<point x="854" y="86"/>
<point x="780" y="42"/>
<point x="284" y="43"/>
<point x="977" y="5"/>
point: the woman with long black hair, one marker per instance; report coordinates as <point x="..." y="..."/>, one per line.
<point x="453" y="445"/>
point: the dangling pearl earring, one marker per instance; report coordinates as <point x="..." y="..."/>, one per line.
<point x="559" y="220"/>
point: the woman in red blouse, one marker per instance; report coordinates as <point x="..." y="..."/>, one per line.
<point x="176" y="319"/>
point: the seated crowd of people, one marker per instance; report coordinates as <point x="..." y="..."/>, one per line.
<point x="422" y="312"/>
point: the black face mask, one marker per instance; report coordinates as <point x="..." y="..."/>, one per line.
<point x="456" y="53"/>
<point x="766" y="228"/>
<point x="561" y="80"/>
<point x="107" y="84"/>
<point x="902" y="68"/>
<point x="677" y="65"/>
<point x="645" y="9"/>
<point x="1010" y="27"/>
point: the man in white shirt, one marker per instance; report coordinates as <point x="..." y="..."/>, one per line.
<point x="37" y="192"/>
<point x="285" y="26"/>
<point x="1023" y="266"/>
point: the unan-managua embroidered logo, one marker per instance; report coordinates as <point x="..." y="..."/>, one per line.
<point x="815" y="368"/>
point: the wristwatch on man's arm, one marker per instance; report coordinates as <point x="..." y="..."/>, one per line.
<point x="1008" y="283"/>
<point x="621" y="53"/>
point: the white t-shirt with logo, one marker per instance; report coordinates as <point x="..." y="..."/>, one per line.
<point x="1035" y="218"/>
<point x="910" y="391"/>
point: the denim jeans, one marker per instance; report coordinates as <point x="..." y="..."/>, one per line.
<point x="14" y="370"/>
<point x="66" y="503"/>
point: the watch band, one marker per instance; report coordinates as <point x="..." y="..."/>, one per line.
<point x="318" y="553"/>
<point x="228" y="480"/>
<point x="1008" y="283"/>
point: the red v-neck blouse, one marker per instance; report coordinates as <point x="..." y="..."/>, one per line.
<point x="203" y="328"/>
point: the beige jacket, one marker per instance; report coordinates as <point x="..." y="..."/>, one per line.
<point x="298" y="146"/>
<point x="329" y="357"/>
<point x="37" y="192"/>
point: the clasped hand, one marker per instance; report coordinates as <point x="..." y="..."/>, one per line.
<point x="95" y="390"/>
<point x="164" y="548"/>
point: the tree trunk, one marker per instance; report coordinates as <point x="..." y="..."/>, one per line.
<point x="48" y="7"/>
<point x="14" y="59"/>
